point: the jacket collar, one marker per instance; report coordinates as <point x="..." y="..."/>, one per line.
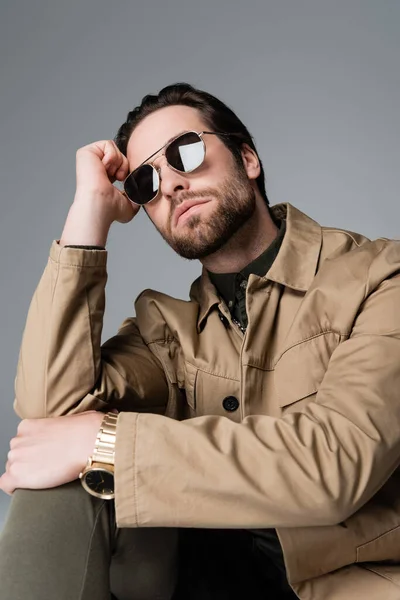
<point x="294" y="267"/>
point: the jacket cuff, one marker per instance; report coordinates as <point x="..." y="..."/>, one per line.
<point x="124" y="470"/>
<point x="77" y="257"/>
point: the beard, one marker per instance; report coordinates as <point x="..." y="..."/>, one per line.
<point x="201" y="237"/>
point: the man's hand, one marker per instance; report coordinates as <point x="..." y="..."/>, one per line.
<point x="50" y="452"/>
<point x="97" y="203"/>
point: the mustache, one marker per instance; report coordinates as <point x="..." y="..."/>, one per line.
<point x="193" y="195"/>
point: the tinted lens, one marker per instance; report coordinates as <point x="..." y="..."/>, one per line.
<point x="142" y="185"/>
<point x="186" y="153"/>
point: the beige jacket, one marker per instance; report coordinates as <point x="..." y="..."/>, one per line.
<point x="314" y="445"/>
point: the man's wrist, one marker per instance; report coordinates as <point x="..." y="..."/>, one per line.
<point x="87" y="224"/>
<point x="97" y="477"/>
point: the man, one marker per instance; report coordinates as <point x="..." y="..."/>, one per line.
<point x="255" y="427"/>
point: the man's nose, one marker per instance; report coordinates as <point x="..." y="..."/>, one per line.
<point x="171" y="181"/>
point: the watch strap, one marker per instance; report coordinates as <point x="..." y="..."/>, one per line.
<point x="104" y="448"/>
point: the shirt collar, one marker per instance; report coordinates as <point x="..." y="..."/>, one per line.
<point x="226" y="283"/>
<point x="295" y="266"/>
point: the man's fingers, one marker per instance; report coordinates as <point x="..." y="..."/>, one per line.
<point x="112" y="158"/>
<point x="6" y="485"/>
<point x="25" y="426"/>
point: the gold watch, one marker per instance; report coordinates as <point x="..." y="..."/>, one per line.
<point x="98" y="475"/>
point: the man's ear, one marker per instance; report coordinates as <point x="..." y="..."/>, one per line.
<point x="250" y="162"/>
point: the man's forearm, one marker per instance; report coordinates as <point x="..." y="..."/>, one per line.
<point x="60" y="352"/>
<point x="87" y="224"/>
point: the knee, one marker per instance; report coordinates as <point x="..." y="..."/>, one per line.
<point x="59" y="503"/>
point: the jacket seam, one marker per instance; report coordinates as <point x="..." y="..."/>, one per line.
<point x="346" y="233"/>
<point x="211" y="372"/>
<point x="382" y="535"/>
<point x="76" y="266"/>
<point x="379" y="573"/>
<point x="47" y="343"/>
<point x="135" y="485"/>
<point x="164" y="367"/>
<point x="91" y="336"/>
<point x="191" y="398"/>
<point x="367" y="290"/>
<point x="312" y="337"/>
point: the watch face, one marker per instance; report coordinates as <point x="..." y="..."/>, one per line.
<point x="100" y="482"/>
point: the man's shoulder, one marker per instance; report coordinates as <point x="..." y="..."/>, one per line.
<point x="161" y="316"/>
<point x="340" y="241"/>
<point x="338" y="237"/>
<point x="367" y="259"/>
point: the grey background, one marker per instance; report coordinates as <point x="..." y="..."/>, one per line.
<point x="317" y="82"/>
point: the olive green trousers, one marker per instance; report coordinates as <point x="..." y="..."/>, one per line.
<point x="63" y="544"/>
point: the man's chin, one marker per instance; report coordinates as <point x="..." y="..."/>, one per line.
<point x="189" y="249"/>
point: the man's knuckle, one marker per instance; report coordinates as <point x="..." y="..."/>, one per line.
<point x="24" y="426"/>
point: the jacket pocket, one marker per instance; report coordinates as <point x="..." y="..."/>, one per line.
<point x="207" y="393"/>
<point x="301" y="368"/>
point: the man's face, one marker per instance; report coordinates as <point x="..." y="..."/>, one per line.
<point x="224" y="196"/>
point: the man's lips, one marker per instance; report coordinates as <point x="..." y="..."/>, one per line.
<point x="185" y="206"/>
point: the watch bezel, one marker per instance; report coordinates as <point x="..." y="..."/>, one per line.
<point x="97" y="467"/>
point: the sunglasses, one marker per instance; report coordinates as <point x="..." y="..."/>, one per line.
<point x="184" y="154"/>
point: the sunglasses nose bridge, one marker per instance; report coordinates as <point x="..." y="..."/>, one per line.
<point x="159" y="161"/>
<point x="164" y="166"/>
<point x="171" y="179"/>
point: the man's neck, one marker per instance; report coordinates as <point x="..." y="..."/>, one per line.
<point x="246" y="245"/>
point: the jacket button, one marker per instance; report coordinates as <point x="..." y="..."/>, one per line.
<point x="230" y="403"/>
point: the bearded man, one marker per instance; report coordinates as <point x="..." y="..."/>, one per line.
<point x="242" y="444"/>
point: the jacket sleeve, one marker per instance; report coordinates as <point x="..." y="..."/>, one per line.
<point x="62" y="367"/>
<point x="314" y="467"/>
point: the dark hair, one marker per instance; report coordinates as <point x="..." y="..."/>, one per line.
<point x="216" y="115"/>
